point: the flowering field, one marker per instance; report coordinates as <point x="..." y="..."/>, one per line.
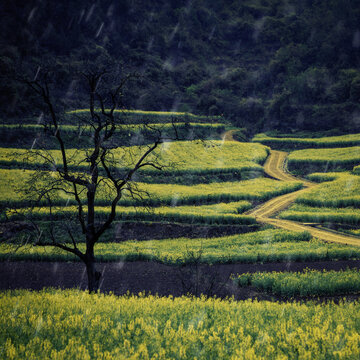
<point x="54" y="324"/>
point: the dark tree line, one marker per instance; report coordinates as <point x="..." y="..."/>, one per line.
<point x="263" y="64"/>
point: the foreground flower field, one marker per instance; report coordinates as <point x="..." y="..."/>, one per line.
<point x="54" y="324"/>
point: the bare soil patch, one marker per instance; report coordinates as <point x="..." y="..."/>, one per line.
<point x="155" y="278"/>
<point x="154" y="230"/>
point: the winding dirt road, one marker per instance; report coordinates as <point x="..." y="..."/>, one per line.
<point x="275" y="167"/>
<point x="228" y="135"/>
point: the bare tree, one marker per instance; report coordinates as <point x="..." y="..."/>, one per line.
<point x="83" y="174"/>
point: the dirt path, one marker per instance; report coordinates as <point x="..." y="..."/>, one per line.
<point x="275" y="167"/>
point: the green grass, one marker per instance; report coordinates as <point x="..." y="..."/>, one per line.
<point x="310" y="160"/>
<point x="260" y="189"/>
<point x="310" y="214"/>
<point x="271" y="245"/>
<point x="71" y="324"/>
<point x="290" y="142"/>
<point x="340" y="191"/>
<point x="307" y="283"/>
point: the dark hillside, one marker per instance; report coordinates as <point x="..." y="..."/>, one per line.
<point x="264" y="64"/>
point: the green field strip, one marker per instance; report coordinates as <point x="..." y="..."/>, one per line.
<point x="259" y="189"/>
<point x="306" y="283"/>
<point x="27" y="136"/>
<point x="289" y="142"/>
<point x="143" y="116"/>
<point x="254" y="247"/>
<point x="182" y="214"/>
<point x="309" y="214"/>
<point x="119" y="127"/>
<point x="197" y="157"/>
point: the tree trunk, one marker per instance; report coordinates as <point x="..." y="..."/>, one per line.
<point x="93" y="276"/>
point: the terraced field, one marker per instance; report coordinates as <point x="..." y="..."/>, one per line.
<point x="181" y="203"/>
<point x="180" y="265"/>
<point x="193" y="162"/>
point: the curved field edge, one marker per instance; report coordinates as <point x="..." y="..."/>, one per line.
<point x="289" y="142"/>
<point x="73" y="324"/>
